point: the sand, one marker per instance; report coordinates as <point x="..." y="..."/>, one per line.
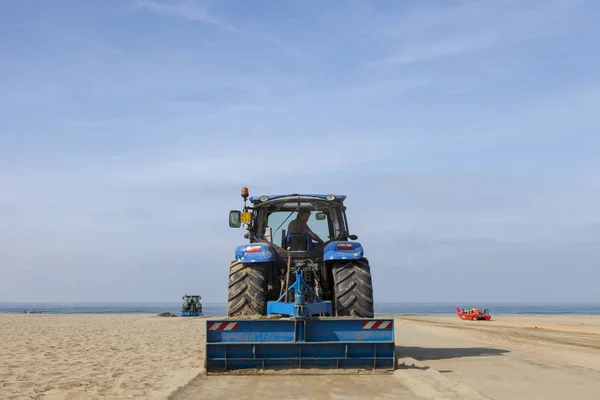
<point x="148" y="357"/>
<point x="529" y="357"/>
<point x="96" y="356"/>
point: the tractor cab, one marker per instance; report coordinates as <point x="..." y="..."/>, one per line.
<point x="293" y="222"/>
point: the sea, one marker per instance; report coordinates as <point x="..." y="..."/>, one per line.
<point x="220" y="309"/>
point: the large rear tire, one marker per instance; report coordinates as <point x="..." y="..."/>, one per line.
<point x="247" y="290"/>
<point x="353" y="289"/>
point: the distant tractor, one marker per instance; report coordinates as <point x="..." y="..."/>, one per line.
<point x="191" y="307"/>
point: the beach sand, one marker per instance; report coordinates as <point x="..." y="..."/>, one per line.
<point x="97" y="356"/>
<point x="150" y="357"/>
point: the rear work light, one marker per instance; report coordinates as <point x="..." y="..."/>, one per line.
<point x="344" y="246"/>
<point x="253" y="249"/>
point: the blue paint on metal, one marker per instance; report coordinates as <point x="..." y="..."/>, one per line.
<point x="311" y="308"/>
<point x="265" y="254"/>
<point x="192" y="314"/>
<point x="339" y="197"/>
<point x="299" y="308"/>
<point x="300" y="343"/>
<point x="331" y="251"/>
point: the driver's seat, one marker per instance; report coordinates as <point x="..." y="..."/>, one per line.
<point x="298" y="241"/>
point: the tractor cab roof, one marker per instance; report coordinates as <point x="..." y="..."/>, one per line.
<point x="296" y="196"/>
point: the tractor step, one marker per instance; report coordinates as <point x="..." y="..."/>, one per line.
<point x="338" y="343"/>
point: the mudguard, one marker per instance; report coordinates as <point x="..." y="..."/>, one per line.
<point x="333" y="252"/>
<point x="255" y="252"/>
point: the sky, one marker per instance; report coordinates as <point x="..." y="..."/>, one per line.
<point x="464" y="133"/>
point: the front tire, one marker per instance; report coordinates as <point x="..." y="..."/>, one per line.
<point x="247" y="290"/>
<point x="353" y="289"/>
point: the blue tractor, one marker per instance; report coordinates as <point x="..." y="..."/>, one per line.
<point x="191" y="306"/>
<point x="336" y="275"/>
<point x="300" y="292"/>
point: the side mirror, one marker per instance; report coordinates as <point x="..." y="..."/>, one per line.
<point x="320" y="216"/>
<point x="234" y="219"/>
<point x="352" y="237"/>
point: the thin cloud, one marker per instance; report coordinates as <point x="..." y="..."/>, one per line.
<point x="279" y="161"/>
<point x="186" y="9"/>
<point x="428" y="35"/>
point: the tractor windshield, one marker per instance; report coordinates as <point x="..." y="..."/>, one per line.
<point x="324" y="221"/>
<point x="280" y="220"/>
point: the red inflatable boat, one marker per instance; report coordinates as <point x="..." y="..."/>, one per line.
<point x="474" y="314"/>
